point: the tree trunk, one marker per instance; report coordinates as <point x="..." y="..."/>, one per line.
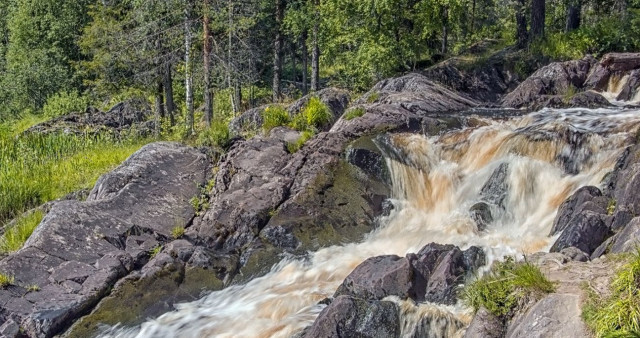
<point x="522" y="36"/>
<point x="234" y="106"/>
<point x="574" y="10"/>
<point x="187" y="65"/>
<point x="315" y="53"/>
<point x="277" y="53"/>
<point x="237" y="89"/>
<point x="294" y="61"/>
<point x="208" y="102"/>
<point x="168" y="93"/>
<point x="305" y="61"/>
<point x="445" y="29"/>
<point x="159" y="109"/>
<point x="537" y="18"/>
<point x="473" y="17"/>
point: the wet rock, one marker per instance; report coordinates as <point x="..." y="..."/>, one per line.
<point x="631" y="87"/>
<point x="249" y="121"/>
<point x="610" y="64"/>
<point x="485" y="325"/>
<point x="626" y="193"/>
<point x="352" y="317"/>
<point x="555" y="316"/>
<point x="121" y="117"/>
<point x="586" y="99"/>
<point x="379" y="277"/>
<point x="480" y="213"/>
<point x="586" y="232"/>
<point x="627" y="240"/>
<point x="554" y="79"/>
<point x="369" y="161"/>
<point x="440" y="269"/>
<point x="496" y="188"/>
<point x="78" y="252"/>
<point x="588" y="198"/>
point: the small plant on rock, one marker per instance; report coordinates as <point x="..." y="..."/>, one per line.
<point x="6" y="280"/>
<point x="293" y="147"/>
<point x="354" y="113"/>
<point x="274" y="116"/>
<point x="177" y="232"/>
<point x="155" y="251"/>
<point x="33" y="288"/>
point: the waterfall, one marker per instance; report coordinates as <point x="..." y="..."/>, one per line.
<point x="544" y="156"/>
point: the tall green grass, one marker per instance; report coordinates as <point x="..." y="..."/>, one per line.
<point x="507" y="286"/>
<point x="14" y="237"/>
<point x="617" y="314"/>
<point x="35" y="168"/>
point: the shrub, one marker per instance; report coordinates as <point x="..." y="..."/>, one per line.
<point x="617" y="314"/>
<point x="373" y="97"/>
<point x="295" y="146"/>
<point x="299" y="122"/>
<point x="155" y="251"/>
<point x="216" y="136"/>
<point x="354" y="113"/>
<point x="274" y="116"/>
<point x="63" y="103"/>
<point x="506" y="287"/>
<point x="14" y="237"/>
<point x="317" y="113"/>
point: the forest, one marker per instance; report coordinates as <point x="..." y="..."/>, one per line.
<point x="221" y="57"/>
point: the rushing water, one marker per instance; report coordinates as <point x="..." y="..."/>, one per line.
<point x="436" y="180"/>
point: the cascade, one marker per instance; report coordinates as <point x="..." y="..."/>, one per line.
<point x="536" y="161"/>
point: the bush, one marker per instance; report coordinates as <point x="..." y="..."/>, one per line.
<point x="507" y="286"/>
<point x="216" y="136"/>
<point x="64" y="103"/>
<point x="354" y="113"/>
<point x="274" y="116"/>
<point x="14" y="237"/>
<point x="317" y="113"/>
<point x="618" y="314"/>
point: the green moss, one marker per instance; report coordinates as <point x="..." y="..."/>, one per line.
<point x="14" y="237"/>
<point x="354" y="113"/>
<point x="618" y="313"/>
<point x="508" y="285"/>
<point x="135" y="301"/>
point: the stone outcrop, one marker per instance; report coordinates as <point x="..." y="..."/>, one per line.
<point x="81" y="249"/>
<point x="613" y="64"/>
<point x="124" y="116"/>
<point x="554" y="316"/>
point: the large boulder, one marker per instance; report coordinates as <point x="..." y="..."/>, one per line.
<point x="555" y="316"/>
<point x="379" y="277"/>
<point x="588" y="198"/>
<point x="628" y="239"/>
<point x="249" y="121"/>
<point x="631" y="86"/>
<point x="610" y="65"/>
<point x="121" y="117"/>
<point x="352" y="317"/>
<point x="586" y="231"/>
<point x="485" y="325"/>
<point x="556" y="79"/>
<point x="81" y="249"/>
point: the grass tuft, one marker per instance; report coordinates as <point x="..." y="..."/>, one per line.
<point x="14" y="237"/>
<point x="6" y="280"/>
<point x="274" y="116"/>
<point x="354" y="113"/>
<point x="507" y="286"/>
<point x="293" y="147"/>
<point x="177" y="232"/>
<point x="617" y="314"/>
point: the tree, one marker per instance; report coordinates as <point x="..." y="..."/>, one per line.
<point x="574" y="10"/>
<point x="277" y="51"/>
<point x="208" y="99"/>
<point x="188" y="85"/>
<point x="522" y="36"/>
<point x="315" y="49"/>
<point x="537" y="18"/>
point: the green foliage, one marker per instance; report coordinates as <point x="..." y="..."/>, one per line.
<point x="508" y="285"/>
<point x="177" y="232"/>
<point x="38" y="168"/>
<point x="274" y="116"/>
<point x="155" y="251"/>
<point x="32" y="288"/>
<point x="373" y="97"/>
<point x="14" y="237"/>
<point x="293" y="147"/>
<point x="6" y="280"/>
<point x="354" y="113"/>
<point x="611" y="206"/>
<point x="64" y="103"/>
<point x="313" y="117"/>
<point x="215" y="136"/>
<point x="618" y="313"/>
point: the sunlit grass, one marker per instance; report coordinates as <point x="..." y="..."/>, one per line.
<point x="14" y="237"/>
<point x="617" y="314"/>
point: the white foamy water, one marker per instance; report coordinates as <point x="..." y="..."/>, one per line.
<point x="433" y="195"/>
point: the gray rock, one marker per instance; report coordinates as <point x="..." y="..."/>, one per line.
<point x="485" y="325"/>
<point x="586" y="99"/>
<point x="631" y="87"/>
<point x="627" y="240"/>
<point x="555" y="316"/>
<point x="352" y="317"/>
<point x="575" y="254"/>
<point x="480" y="213"/>
<point x="78" y="252"/>
<point x="610" y="64"/>
<point x="587" y="198"/>
<point x="586" y="232"/>
<point x="249" y="121"/>
<point x="495" y="190"/>
<point x="379" y="277"/>
<point x="9" y="329"/>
